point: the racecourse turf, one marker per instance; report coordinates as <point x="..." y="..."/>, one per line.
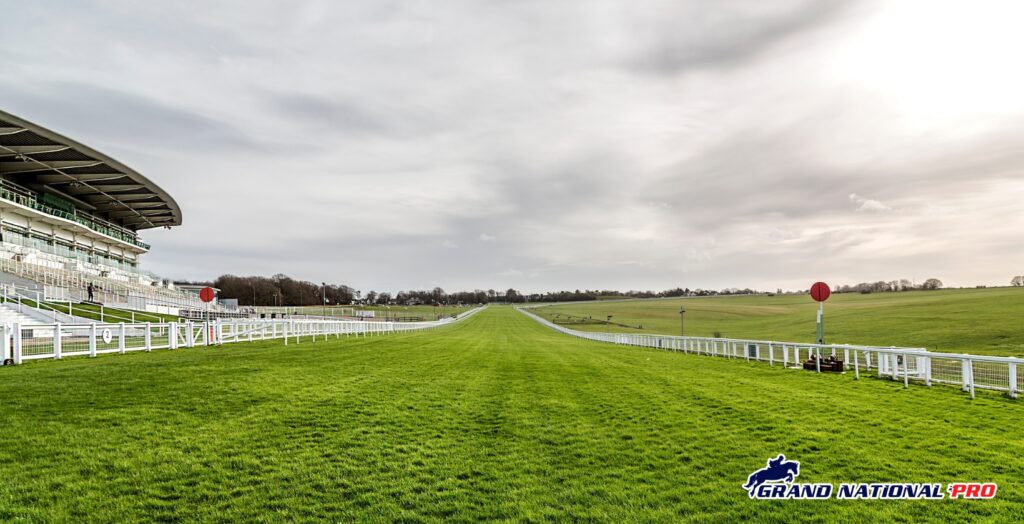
<point x="494" y="418"/>
<point x="978" y="321"/>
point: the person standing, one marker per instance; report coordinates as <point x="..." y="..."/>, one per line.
<point x="90" y="290"/>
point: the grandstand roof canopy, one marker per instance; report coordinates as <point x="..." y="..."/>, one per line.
<point x="44" y="161"/>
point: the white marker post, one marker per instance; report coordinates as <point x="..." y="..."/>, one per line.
<point x="821" y="323"/>
<point x="820" y="293"/>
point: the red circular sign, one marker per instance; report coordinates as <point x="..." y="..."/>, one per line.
<point x="820" y="291"/>
<point x="206" y="294"/>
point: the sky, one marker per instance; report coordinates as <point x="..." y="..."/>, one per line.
<point x="544" y="145"/>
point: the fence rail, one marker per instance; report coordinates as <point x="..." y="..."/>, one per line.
<point x="909" y="365"/>
<point x="21" y="342"/>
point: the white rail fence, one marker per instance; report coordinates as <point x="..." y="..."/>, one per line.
<point x="22" y="342"/>
<point x="909" y="365"/>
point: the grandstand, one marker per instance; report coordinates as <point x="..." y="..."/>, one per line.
<point x="70" y="217"/>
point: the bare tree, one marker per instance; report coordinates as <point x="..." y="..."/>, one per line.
<point x="931" y="284"/>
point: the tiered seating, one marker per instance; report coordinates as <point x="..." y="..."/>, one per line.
<point x="111" y="286"/>
<point x="9" y="314"/>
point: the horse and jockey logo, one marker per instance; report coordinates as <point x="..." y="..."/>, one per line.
<point x="779" y="469"/>
<point x="776" y="481"/>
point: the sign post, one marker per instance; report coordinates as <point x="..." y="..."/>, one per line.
<point x="820" y="293"/>
<point x="207" y="294"/>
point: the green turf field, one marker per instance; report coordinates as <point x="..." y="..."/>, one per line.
<point x="494" y="418"/>
<point x="979" y="321"/>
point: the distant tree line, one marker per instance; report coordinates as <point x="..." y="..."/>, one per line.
<point x="1017" y="281"/>
<point x="279" y="290"/>
<point x="579" y="296"/>
<point x="887" y="286"/>
<point x="511" y="296"/>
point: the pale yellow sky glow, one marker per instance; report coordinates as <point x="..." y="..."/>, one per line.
<point x="551" y="145"/>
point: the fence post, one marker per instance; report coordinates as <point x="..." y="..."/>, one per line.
<point x="856" y="366"/>
<point x="785" y="356"/>
<point x="906" y="371"/>
<point x="927" y="371"/>
<point x="970" y="376"/>
<point x="284" y="328"/>
<point x="1012" y="372"/>
<point x="771" y="355"/>
<point x="5" y="346"/>
<point x="92" y="339"/>
<point x="120" y="339"/>
<point x="149" y="337"/>
<point x="17" y="342"/>
<point x="56" y="341"/>
<point x="817" y="358"/>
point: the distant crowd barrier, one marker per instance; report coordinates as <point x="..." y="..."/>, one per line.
<point x="21" y="342"/>
<point x="909" y="365"/>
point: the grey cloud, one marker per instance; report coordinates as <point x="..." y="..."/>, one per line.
<point x="331" y="116"/>
<point x="111" y="115"/>
<point x="683" y="36"/>
<point x="558" y="145"/>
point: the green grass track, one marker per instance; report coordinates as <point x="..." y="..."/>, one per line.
<point x="494" y="418"/>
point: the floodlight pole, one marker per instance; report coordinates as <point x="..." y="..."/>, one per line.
<point x="324" y="293"/>
<point x="682" y="322"/>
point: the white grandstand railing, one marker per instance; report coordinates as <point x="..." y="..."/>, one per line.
<point x="63" y="309"/>
<point x="22" y="342"/>
<point x="105" y="289"/>
<point x="909" y="365"/>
